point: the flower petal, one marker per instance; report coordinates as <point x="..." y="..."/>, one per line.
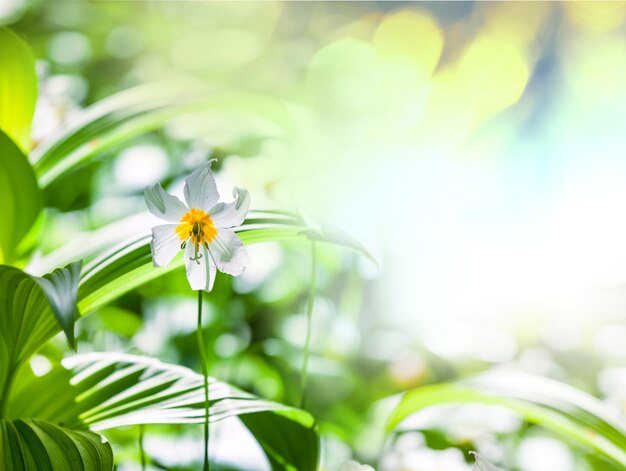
<point x="200" y="189"/>
<point x="228" y="252"/>
<point x="200" y="273"/>
<point x="231" y="214"/>
<point x="163" y="205"/>
<point x="165" y="244"/>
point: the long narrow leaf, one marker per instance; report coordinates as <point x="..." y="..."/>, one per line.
<point x="93" y="244"/>
<point x="553" y="405"/>
<point x="121" y="117"/>
<point x="130" y="266"/>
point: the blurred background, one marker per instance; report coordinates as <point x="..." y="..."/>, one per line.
<point x="475" y="148"/>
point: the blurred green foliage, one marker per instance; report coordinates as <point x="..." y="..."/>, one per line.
<point x="319" y="61"/>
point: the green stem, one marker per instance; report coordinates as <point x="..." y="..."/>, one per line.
<point x="6" y="391"/>
<point x="309" y="322"/>
<point x="142" y="452"/>
<point x="205" y="373"/>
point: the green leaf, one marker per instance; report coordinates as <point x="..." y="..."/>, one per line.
<point x="27" y="318"/>
<point x="128" y="114"/>
<point x="108" y="390"/>
<point x="36" y="444"/>
<point x="130" y="265"/>
<point x="119" y="321"/>
<point x="25" y="322"/>
<point x="286" y="446"/>
<point x="95" y="243"/>
<point x="61" y="289"/>
<point x="18" y="88"/>
<point x="551" y="404"/>
<point x="20" y="199"/>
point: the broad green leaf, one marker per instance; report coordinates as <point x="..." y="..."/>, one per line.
<point x="20" y="200"/>
<point x="25" y="322"/>
<point x="27" y="317"/>
<point x="553" y="405"/>
<point x="119" y="321"/>
<point x="286" y="446"/>
<point x="18" y="88"/>
<point x="39" y="445"/>
<point x="128" y="114"/>
<point x="61" y="289"/>
<point x="106" y="390"/>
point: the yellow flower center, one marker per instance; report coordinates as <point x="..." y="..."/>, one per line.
<point x="197" y="225"/>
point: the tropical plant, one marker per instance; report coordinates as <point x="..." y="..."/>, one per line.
<point x="100" y="391"/>
<point x="59" y="419"/>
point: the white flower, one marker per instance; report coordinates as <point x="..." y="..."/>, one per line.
<point x="202" y="228"/>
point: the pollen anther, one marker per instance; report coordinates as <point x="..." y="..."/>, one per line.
<point x="197" y="226"/>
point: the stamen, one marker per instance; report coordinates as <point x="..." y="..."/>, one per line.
<point x="197" y="228"/>
<point x="197" y="256"/>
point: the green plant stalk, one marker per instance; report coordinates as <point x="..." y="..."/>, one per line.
<point x="142" y="453"/>
<point x="309" y="323"/>
<point x="6" y="392"/>
<point x="205" y="373"/>
<point x="14" y="366"/>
